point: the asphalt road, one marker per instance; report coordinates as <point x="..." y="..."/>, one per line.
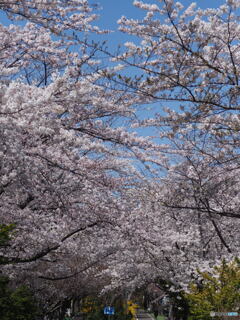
<point x="143" y="315"/>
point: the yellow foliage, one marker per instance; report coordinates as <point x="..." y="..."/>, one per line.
<point x="88" y="305"/>
<point x="132" y="308"/>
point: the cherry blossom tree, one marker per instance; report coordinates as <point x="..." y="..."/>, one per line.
<point x="65" y="153"/>
<point x="189" y="63"/>
<point x="85" y="216"/>
<point x="187" y="66"/>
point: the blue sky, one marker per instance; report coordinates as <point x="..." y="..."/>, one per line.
<point x="112" y="10"/>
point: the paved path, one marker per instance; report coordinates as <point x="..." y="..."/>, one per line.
<point x="143" y="315"/>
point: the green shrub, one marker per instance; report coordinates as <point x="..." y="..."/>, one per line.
<point x="219" y="291"/>
<point x="16" y="304"/>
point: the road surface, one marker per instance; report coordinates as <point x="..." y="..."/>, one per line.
<point x="143" y="315"/>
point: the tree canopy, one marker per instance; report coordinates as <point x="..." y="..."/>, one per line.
<point x="95" y="205"/>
